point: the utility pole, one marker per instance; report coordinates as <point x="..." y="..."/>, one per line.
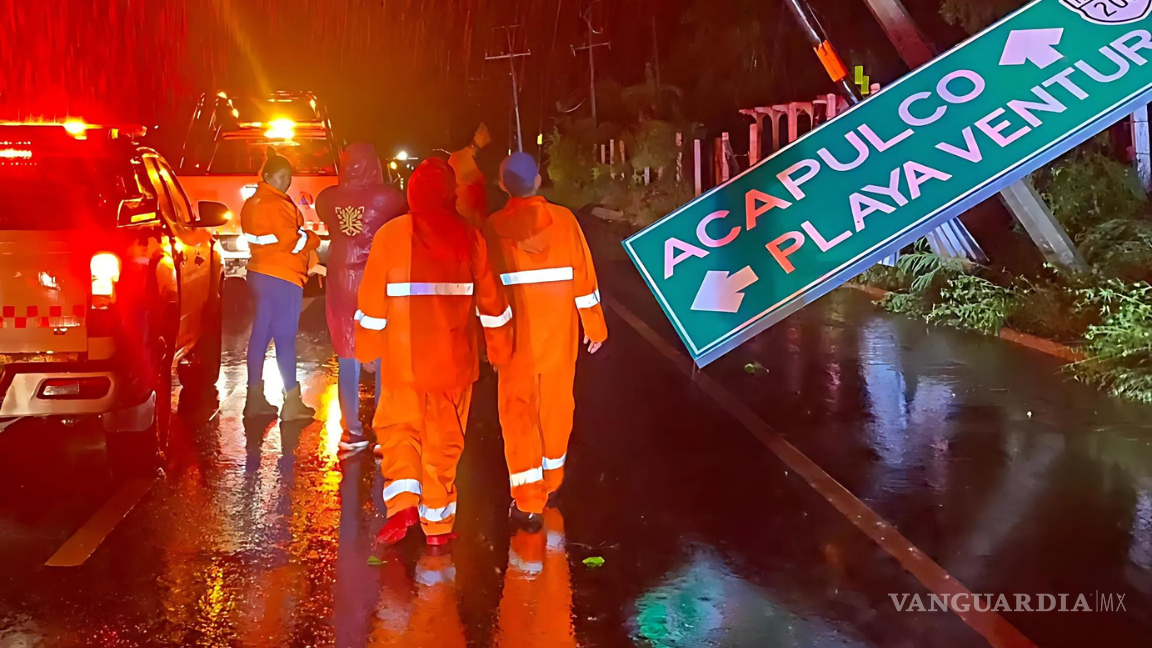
<point x="1021" y="198"/>
<point x="511" y="55"/>
<point x="824" y="50"/>
<point x="590" y="46"/>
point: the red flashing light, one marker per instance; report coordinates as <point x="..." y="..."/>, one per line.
<point x="105" y="274"/>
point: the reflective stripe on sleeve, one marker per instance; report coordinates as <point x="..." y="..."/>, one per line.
<point x="401" y="486"/>
<point x="267" y="239"/>
<point x="301" y="242"/>
<point x="553" y="464"/>
<point x="437" y="514"/>
<point x="418" y="289"/>
<point x="588" y="301"/>
<point x="496" y="322"/>
<point x="546" y="275"/>
<point x="371" y="323"/>
<point x="526" y="477"/>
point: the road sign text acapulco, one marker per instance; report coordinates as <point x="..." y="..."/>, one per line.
<point x="943" y="138"/>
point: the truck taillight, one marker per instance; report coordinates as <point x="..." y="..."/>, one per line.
<point x="105" y="275"/>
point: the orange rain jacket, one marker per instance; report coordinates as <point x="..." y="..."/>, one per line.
<point x="471" y="193"/>
<point x="427" y="279"/>
<point x="541" y="255"/>
<point x="274" y="229"/>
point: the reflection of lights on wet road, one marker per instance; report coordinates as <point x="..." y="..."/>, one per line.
<point x="329" y="412"/>
<point x="705" y="603"/>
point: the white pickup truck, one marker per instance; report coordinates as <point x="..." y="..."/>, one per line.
<point x="226" y="146"/>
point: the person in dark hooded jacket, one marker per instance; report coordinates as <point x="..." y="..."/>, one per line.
<point x="354" y="211"/>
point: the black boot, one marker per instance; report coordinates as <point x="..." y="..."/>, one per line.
<point x="530" y="522"/>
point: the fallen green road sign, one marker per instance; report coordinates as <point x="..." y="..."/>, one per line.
<point x="922" y="151"/>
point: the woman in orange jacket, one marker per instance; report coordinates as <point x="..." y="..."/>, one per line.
<point x="283" y="252"/>
<point x="427" y="287"/>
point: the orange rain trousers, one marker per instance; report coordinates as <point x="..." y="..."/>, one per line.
<point x="421" y="438"/>
<point x="536" y="416"/>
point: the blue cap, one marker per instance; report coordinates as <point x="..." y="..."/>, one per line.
<point x="518" y="173"/>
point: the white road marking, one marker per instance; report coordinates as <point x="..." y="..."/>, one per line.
<point x="990" y="625"/>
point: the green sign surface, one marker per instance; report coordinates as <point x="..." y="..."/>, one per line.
<point x="920" y="152"/>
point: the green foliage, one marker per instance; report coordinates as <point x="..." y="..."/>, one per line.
<point x="943" y="292"/>
<point x="924" y="274"/>
<point x="1120" y="347"/>
<point x="972" y="302"/>
<point x="883" y="277"/>
<point x="578" y="179"/>
<point x="924" y="268"/>
<point x="1050" y="307"/>
<point x="1088" y="188"/>
<point x="654" y="145"/>
<point x="1120" y="248"/>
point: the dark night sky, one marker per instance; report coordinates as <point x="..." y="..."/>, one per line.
<point x="398" y="72"/>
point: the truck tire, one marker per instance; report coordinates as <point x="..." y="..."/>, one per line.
<point x="203" y="367"/>
<point x="132" y="452"/>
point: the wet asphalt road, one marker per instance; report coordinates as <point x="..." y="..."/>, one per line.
<point x="986" y="460"/>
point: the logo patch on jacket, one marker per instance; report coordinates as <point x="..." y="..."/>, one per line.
<point x="351" y="220"/>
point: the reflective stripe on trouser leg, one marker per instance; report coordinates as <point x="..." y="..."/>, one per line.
<point x="445" y="419"/>
<point x="398" y="421"/>
<point x="523" y="447"/>
<point x="557" y="406"/>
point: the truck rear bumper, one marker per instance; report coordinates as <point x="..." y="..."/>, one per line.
<point x="84" y="388"/>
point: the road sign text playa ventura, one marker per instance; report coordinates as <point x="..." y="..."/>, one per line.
<point x="945" y="137"/>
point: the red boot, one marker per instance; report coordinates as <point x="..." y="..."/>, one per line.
<point x="441" y="540"/>
<point x="396" y="527"/>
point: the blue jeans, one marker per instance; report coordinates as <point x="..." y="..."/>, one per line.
<point x="350" y="393"/>
<point x="278" y="304"/>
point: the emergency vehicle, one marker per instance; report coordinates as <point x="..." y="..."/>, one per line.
<point x="109" y="277"/>
<point x="226" y="146"/>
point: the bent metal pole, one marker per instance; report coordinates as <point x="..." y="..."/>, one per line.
<point x="824" y="50"/>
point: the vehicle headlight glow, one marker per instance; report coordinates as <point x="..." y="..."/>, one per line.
<point x="247" y="191"/>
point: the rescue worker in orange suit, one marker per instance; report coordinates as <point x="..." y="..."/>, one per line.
<point x="540" y="252"/>
<point x="427" y="287"/>
<point x="283" y="255"/>
<point x="354" y="210"/>
<point x="471" y="192"/>
<point x="536" y="604"/>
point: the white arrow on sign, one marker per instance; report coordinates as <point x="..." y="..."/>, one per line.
<point x="720" y="292"/>
<point x="1036" y="45"/>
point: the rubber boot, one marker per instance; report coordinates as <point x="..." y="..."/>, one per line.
<point x="530" y="522"/>
<point x="441" y="540"/>
<point x="397" y="526"/>
<point x="294" y="408"/>
<point x="256" y="404"/>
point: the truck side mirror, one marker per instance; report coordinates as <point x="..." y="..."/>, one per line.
<point x="212" y="214"/>
<point x="134" y="211"/>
